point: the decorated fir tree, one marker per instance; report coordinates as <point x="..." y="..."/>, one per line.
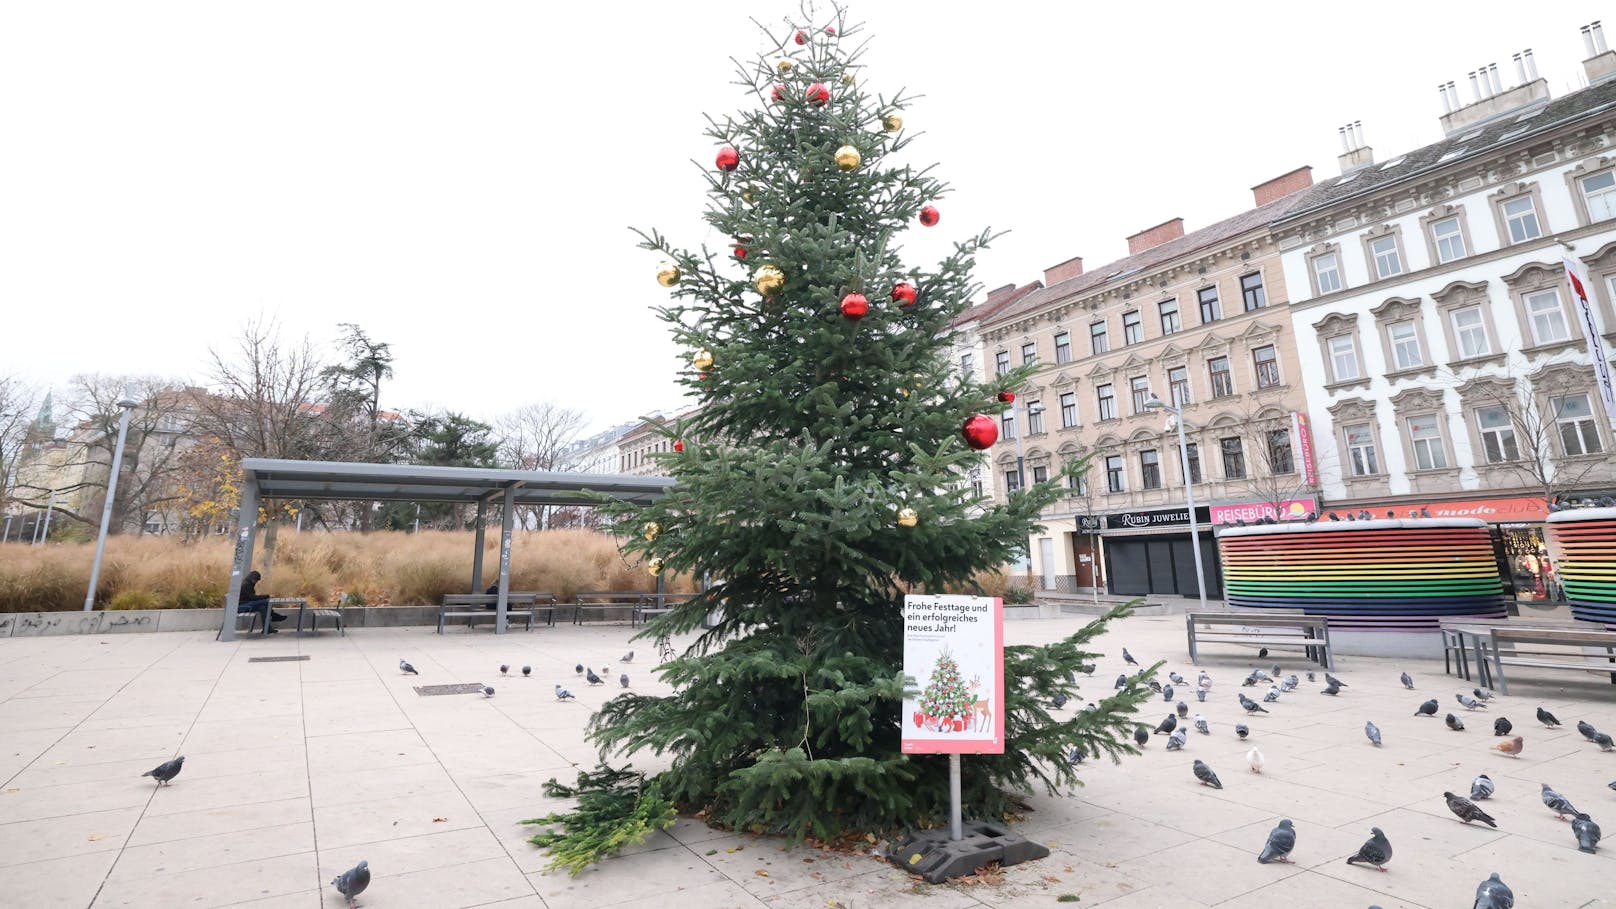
<point x="946" y="694"/>
<point x="821" y="479"/>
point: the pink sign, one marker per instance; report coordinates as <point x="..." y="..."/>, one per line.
<point x="1303" y="430"/>
<point x="1253" y="512"/>
<point x="953" y="656"/>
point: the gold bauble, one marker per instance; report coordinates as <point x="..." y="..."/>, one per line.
<point x="769" y="280"/>
<point x="784" y="66"/>
<point x="847" y="78"/>
<point x="654" y="566"/>
<point x="892" y="123"/>
<point x="652" y="528"/>
<point x="907" y="517"/>
<point x="848" y="158"/>
<point x="703" y="360"/>
<point x="746" y="195"/>
<point x="668" y="274"/>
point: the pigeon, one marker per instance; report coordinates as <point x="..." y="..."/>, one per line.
<point x="166" y="771"/>
<point x="1482" y="694"/>
<point x="352" y="882"/>
<point x="1242" y="730"/>
<point x="488" y="691"/>
<point x="1587" y="832"/>
<point x="1502" y="726"/>
<point x="1168" y="725"/>
<point x="1262" y="654"/>
<point x="1178" y="740"/>
<point x="1201" y="725"/>
<point x="1612" y="785"/>
<point x="1176" y="679"/>
<point x="1153" y="685"/>
<point x="527" y="671"/>
<point x="1469" y="702"/>
<point x="1428" y="708"/>
<point x="1128" y="658"/>
<point x="1557" y="803"/>
<point x="1373" y="731"/>
<point x="1377" y="851"/>
<point x="1482" y="787"/>
<point x="1408" y="681"/>
<point x="591" y="678"/>
<point x="626" y="658"/>
<point x="1588" y="731"/>
<point x="504" y="669"/>
<point x="1511" y="747"/>
<point x="1251" y="706"/>
<point x="1182" y="709"/>
<point x="1467" y="810"/>
<point x="1332" y="680"/>
<point x="1493" y="893"/>
<point x="1167" y="693"/>
<point x="1075" y="756"/>
<point x="1205" y="681"/>
<point x="1271" y="695"/>
<point x="406" y="668"/>
<point x="1291" y="683"/>
<point x="623" y="680"/>
<point x="1205" y="774"/>
<point x="1280" y="843"/>
<point x="1454" y="723"/>
<point x="1311" y="677"/>
<point x="1547" y="718"/>
<point x="1122" y="681"/>
<point x="1141" y="735"/>
<point x="563" y="694"/>
<point x="1602" y="739"/>
<point x="1331" y="689"/>
<point x="578" y="669"/>
<point x="1059" y="700"/>
<point x="1255" y="759"/>
<point x="1200" y="695"/>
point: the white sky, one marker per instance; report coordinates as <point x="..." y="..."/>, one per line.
<point x="459" y="178"/>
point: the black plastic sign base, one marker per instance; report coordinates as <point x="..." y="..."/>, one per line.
<point x="936" y="858"/>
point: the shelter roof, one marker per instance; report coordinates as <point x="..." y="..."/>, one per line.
<point x="290" y="479"/>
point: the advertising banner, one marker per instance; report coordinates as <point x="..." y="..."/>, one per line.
<point x="953" y="653"/>
<point x="1596" y="345"/>
<point x="1302" y="430"/>
<point x="1253" y="512"/>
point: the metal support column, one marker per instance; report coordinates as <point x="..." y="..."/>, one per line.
<point x="505" y="523"/>
<point x="477" y="554"/>
<point x="246" y="535"/>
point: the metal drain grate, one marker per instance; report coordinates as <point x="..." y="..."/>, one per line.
<point x="290" y="659"/>
<point x="432" y="691"/>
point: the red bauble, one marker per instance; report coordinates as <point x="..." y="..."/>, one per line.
<point x="855" y="307"/>
<point x="904" y="293"/>
<point x="801" y="37"/>
<point x="830" y="30"/>
<point x="980" y="432"/>
<point x="818" y="94"/>
<point x="1008" y="397"/>
<point x="678" y="444"/>
<point x="728" y="159"/>
<point x="779" y="91"/>
<point x="740" y="252"/>
<point x="929" y="215"/>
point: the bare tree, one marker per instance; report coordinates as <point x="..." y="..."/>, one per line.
<point x="17" y="411"/>
<point x="1268" y="453"/>
<point x="536" y="437"/>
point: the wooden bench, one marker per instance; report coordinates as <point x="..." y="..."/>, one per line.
<point x="656" y="604"/>
<point x="1464" y="637"/>
<point x="1285" y="631"/>
<point x="1577" y="660"/>
<point x="603" y="600"/>
<point x="518" y="605"/>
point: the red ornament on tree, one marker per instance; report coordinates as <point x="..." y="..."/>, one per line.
<point x="1008" y="397"/>
<point x="779" y="91"/>
<point x="904" y="293"/>
<point x="802" y="37"/>
<point x="830" y="30"/>
<point x="679" y="444"/>
<point x="980" y="432"/>
<point x="855" y="307"/>
<point x="929" y="215"/>
<point x="818" y="94"/>
<point x="728" y="159"/>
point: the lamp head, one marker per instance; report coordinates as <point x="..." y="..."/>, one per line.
<point x="1154" y="403"/>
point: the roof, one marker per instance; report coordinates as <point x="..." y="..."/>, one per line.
<point x="288" y="479"/>
<point x="1478" y="141"/>
<point x="987" y="309"/>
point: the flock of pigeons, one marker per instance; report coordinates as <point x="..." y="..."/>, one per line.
<point x="561" y="691"/>
<point x="1492" y="893"/>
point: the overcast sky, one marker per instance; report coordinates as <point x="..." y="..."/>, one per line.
<point x="459" y="178"/>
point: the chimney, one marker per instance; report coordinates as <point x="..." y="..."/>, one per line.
<point x="1601" y="63"/>
<point x="1152" y="237"/>
<point x="1065" y="271"/>
<point x="1442" y="93"/>
<point x="1492" y="73"/>
<point x="1283" y="185"/>
<point x="1354" y="154"/>
<point x="1494" y="102"/>
<point x="999" y="293"/>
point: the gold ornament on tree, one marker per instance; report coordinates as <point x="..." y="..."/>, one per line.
<point x="652" y="528"/>
<point x="784" y="66"/>
<point x="847" y="78"/>
<point x="848" y="158"/>
<point x="703" y="360"/>
<point x="654" y="566"/>
<point x="892" y="123"/>
<point x="668" y="274"/>
<point x="769" y="280"/>
<point x="907" y="517"/>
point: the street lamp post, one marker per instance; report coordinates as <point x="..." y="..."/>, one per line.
<point x="127" y="404"/>
<point x="1021" y="475"/>
<point x="1155" y="403"/>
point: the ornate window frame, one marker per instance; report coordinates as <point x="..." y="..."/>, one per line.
<point x="1381" y="232"/>
<point x="1534" y="277"/>
<point x="1574" y="177"/>
<point x="1442" y="213"/>
<point x="1420" y="401"/>
<point x="1463" y="295"/>
<point x="1393" y="311"/>
<point x="1319" y="252"/>
<point x="1339" y="325"/>
<point x="1509" y="193"/>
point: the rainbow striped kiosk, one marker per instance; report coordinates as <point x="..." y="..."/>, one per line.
<point x="1582" y="548"/>
<point x="1372" y="579"/>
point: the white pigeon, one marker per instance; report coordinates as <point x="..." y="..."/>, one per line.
<point x="1271" y="696"/>
<point x="1255" y="759"/>
<point x="406" y="668"/>
<point x="1205" y="681"/>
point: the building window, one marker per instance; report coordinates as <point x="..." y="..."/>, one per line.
<point x="1449" y="239"/>
<point x="1133" y="327"/>
<point x="1388" y="262"/>
<point x="1114" y="478"/>
<point x="1599" y="192"/>
<point x="1001" y="362"/>
<point x="1063" y="348"/>
<point x="1192" y="453"/>
<point x="1425" y="434"/>
<point x="1405" y="341"/>
<point x="1035" y="418"/>
<point x="1343" y="358"/>
<point x="1012" y="480"/>
<point x="1078" y="483"/>
<point x="1029" y="353"/>
<point x="1140" y="387"/>
<point x="1267" y="363"/>
<point x="1470" y="332"/>
<point x="1361" y="456"/>
<point x="1327" y="272"/>
<point x="1097" y="338"/>
<point x="1007" y="422"/>
<point x="1217" y="369"/>
<point x="1574" y="418"/>
<point x="1169" y="316"/>
<point x="976" y="482"/>
<point x="1234" y="458"/>
<point x="965" y="365"/>
<point x="1280" y="459"/>
<point x="1497" y="435"/>
<point x="1547" y="316"/>
<point x="1520" y="218"/>
<point x="1040" y="473"/>
<point x="1251" y="291"/>
<point x="1068" y="406"/>
<point x="1107" y="399"/>
<point x="1150" y="469"/>
<point x="1211" y="310"/>
<point x="1178" y="385"/>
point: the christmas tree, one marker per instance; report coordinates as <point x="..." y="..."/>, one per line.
<point x="821" y="479"/>
<point x="946" y="694"/>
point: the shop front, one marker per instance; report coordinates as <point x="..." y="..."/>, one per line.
<point x="1149" y="553"/>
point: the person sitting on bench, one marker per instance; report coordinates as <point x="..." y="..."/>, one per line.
<point x="252" y="601"/>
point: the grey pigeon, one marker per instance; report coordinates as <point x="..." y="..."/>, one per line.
<point x="1482" y="787"/>
<point x="1467" y="810"/>
<point x="527" y="671"/>
<point x="1408" y="681"/>
<point x="1128" y="658"/>
<point x="1587" y="730"/>
<point x="1242" y="730"/>
<point x="1559" y="804"/>
<point x="1332" y="688"/>
<point x="579" y="669"/>
<point x="1502" y="726"/>
<point x="1250" y="705"/>
<point x="1205" y="774"/>
<point x="1178" y="739"/>
<point x="1373" y="731"/>
<point x="1075" y="756"/>
<point x="1469" y="702"/>
<point x="166" y="771"/>
<point x="623" y="680"/>
<point x="1204" y="680"/>
<point x="1200" y="695"/>
<point x="352" y="882"/>
<point x="1271" y="695"/>
<point x="1311" y="677"/>
<point x="1482" y="694"/>
<point x="1059" y="700"/>
<point x="406" y="668"/>
<point x="1291" y="682"/>
<point x="591" y="678"/>
<point x="1167" y="693"/>
<point x="1377" y="851"/>
<point x="1175" y="678"/>
<point x="504" y="669"/>
<point x="1183" y="710"/>
<point x="1454" y="723"/>
<point x="1141" y="735"/>
<point x="1332" y="680"/>
<point x="1201" y="726"/>
<point x="1428" y="708"/>
<point x="626" y="658"/>
<point x="1277" y="673"/>
<point x="1168" y="725"/>
<point x="1262" y="653"/>
<point x="1493" y="893"/>
<point x="1547" y="718"/>
<point x="1280" y="843"/>
<point x="1602" y="739"/>
<point x="488" y="691"/>
<point x="1122" y="680"/>
<point x="1587" y="833"/>
<point x="562" y="694"/>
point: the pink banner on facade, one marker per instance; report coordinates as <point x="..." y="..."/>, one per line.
<point x="1303" y="430"/>
<point x="1252" y="512"/>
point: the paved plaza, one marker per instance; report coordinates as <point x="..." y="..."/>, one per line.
<point x="295" y="770"/>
